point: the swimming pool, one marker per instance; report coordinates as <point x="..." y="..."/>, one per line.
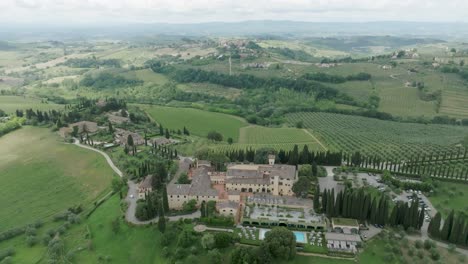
<point x="300" y="236"/>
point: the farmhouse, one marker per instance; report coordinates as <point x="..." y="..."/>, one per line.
<point x="83" y="127"/>
<point x="145" y="187"/>
<point x="121" y="137"/>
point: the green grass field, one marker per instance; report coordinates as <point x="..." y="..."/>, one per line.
<point x="10" y="104"/>
<point x="41" y="176"/>
<point x="198" y="122"/>
<point x="449" y="196"/>
<point x="383" y="138"/>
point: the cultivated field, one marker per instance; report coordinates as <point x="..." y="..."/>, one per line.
<point x="10" y="104"/>
<point x="198" y="122"/>
<point x="277" y="138"/>
<point x="377" y="137"/>
<point x="41" y="176"/>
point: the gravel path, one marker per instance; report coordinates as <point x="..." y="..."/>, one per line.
<point x="133" y="190"/>
<point x="108" y="159"/>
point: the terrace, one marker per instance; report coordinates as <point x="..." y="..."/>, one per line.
<point x="276" y="215"/>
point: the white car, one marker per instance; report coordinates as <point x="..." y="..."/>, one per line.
<point x="131" y="196"/>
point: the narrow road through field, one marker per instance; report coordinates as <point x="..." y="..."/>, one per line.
<point x="316" y="139"/>
<point x="133" y="189"/>
<point x="108" y="159"/>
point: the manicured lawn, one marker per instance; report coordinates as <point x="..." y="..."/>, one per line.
<point x="345" y="221"/>
<point x="41" y="176"/>
<point x="198" y="122"/>
<point x="10" y="104"/>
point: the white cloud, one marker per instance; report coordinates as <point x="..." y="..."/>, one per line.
<point x="189" y="11"/>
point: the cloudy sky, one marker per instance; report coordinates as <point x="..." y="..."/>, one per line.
<point x="195" y="11"/>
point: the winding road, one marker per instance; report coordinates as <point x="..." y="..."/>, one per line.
<point x="132" y="194"/>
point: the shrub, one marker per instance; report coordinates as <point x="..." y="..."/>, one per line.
<point x="420" y="254"/>
<point x="30" y="231"/>
<point x="208" y="241"/>
<point x="165" y="252"/>
<point x="6" y="253"/>
<point x="7" y="260"/>
<point x="11" y="233"/>
<point x="31" y="240"/>
<point x="418" y="244"/>
<point x="222" y="239"/>
<point x="428" y="244"/>
<point x="435" y="254"/>
<point x="46" y="239"/>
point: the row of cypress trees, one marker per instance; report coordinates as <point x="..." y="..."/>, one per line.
<point x="292" y="157"/>
<point x="359" y="204"/>
<point x="454" y="228"/>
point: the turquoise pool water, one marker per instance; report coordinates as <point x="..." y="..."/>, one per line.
<point x="300" y="237"/>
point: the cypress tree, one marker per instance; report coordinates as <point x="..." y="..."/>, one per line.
<point x="324" y="200"/>
<point x="445" y="232"/>
<point x="434" y="226"/>
<point x="373" y="211"/>
<point x="317" y="198"/>
<point x="331" y="203"/>
<point x="165" y="202"/>
<point x="338" y="204"/>
<point x="456" y="230"/>
<point x="344" y="211"/>
<point x="421" y="219"/>
<point x="461" y="238"/>
<point x="393" y="216"/>
<point x="161" y="220"/>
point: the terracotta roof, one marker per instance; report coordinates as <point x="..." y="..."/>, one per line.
<point x="146" y="183"/>
<point x="200" y="186"/>
<point x="91" y="127"/>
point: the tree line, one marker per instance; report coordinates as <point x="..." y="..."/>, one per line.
<point x="333" y="78"/>
<point x="246" y="81"/>
<point x="358" y="204"/>
<point x="453" y="230"/>
<point x="291" y="157"/>
<point x="107" y="80"/>
<point x="421" y="164"/>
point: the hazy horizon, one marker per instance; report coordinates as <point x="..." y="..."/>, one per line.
<point x="116" y="12"/>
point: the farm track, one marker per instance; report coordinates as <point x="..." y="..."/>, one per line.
<point x="316" y="139"/>
<point x="133" y="193"/>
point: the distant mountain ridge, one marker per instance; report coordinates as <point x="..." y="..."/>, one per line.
<point x="250" y="28"/>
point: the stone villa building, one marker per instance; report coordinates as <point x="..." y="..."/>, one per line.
<point x="226" y="187"/>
